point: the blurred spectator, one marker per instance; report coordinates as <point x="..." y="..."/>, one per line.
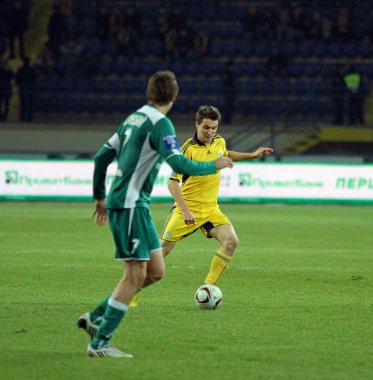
<point x="250" y="23"/>
<point x="284" y="31"/>
<point x="313" y="26"/>
<point x="201" y="44"/>
<point x="56" y="30"/>
<point x="339" y="93"/>
<point x="170" y="45"/>
<point x="115" y="23"/>
<point x="70" y="52"/>
<point x="70" y="20"/>
<point x="184" y="44"/>
<point x="229" y="92"/>
<point x="277" y="63"/>
<point x="162" y="23"/>
<point x="297" y="24"/>
<point x="326" y="28"/>
<point x="25" y="79"/>
<point x="45" y="62"/>
<point x="18" y="25"/>
<point x="6" y="76"/>
<point x="268" y="22"/>
<point x="343" y="28"/>
<point x="87" y="67"/>
<point x="132" y="18"/>
<point x="102" y="24"/>
<point x="354" y="87"/>
<point x="177" y="19"/>
<point x="126" y="42"/>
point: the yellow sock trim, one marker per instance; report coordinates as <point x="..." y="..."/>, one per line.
<point x="219" y="263"/>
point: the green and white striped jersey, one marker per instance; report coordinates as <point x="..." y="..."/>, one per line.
<point x="141" y="143"/>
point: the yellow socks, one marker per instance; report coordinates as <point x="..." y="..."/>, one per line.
<point x="219" y="262"/>
<point x="134" y="300"/>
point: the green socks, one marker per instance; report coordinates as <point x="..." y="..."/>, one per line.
<point x="97" y="313"/>
<point x="114" y="313"/>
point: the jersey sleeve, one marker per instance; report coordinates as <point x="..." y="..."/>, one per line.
<point x="163" y="139"/>
<point x="166" y="143"/>
<point x="103" y="158"/>
<point x="177" y="176"/>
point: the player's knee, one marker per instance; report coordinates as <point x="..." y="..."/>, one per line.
<point x="136" y="276"/>
<point x="230" y="244"/>
<point x="156" y="275"/>
<point x="157" y="272"/>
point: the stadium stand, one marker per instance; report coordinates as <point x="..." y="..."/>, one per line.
<point x="287" y="57"/>
<point x="313" y="42"/>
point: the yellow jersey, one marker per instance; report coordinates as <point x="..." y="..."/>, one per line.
<point x="201" y="191"/>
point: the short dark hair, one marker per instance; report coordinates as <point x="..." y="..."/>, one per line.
<point x="162" y="88"/>
<point x="207" y="112"/>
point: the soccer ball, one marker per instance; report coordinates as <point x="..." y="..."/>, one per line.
<point x="208" y="297"/>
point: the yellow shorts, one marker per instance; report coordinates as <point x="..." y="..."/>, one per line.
<point x="175" y="228"/>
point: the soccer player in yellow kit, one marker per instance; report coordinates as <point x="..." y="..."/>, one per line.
<point x="196" y="205"/>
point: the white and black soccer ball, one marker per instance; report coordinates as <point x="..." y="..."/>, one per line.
<point x="208" y="297"/>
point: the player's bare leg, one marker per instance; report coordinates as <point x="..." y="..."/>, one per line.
<point x="155" y="272"/>
<point x="155" y="269"/>
<point x="227" y="237"/>
<point x="167" y="247"/>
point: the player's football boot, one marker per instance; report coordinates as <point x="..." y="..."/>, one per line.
<point x="107" y="351"/>
<point x="84" y="322"/>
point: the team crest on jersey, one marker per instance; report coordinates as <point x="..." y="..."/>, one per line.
<point x="171" y="142"/>
<point x="220" y="154"/>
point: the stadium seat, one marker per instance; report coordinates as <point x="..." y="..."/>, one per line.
<point x="319" y="50"/>
<point x="365" y="50"/>
<point x="105" y="68"/>
<point x="309" y="70"/>
<point x="304" y="50"/>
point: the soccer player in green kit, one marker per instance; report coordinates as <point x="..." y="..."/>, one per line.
<point x="141" y="143"/>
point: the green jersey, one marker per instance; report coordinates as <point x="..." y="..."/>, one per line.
<point x="141" y="143"/>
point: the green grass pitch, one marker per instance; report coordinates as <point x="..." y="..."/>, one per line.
<point x="297" y="297"/>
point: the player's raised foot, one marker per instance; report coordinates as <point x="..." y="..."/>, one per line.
<point x="107" y="351"/>
<point x="84" y="322"/>
<point x="134" y="300"/>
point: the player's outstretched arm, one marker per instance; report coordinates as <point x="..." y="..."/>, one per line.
<point x="223" y="162"/>
<point x="182" y="165"/>
<point x="240" y="156"/>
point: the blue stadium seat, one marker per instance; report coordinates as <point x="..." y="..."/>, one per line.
<point x="365" y="50"/>
<point x="245" y="49"/>
<point x="216" y="49"/>
<point x="349" y="50"/>
<point x="105" y="68"/>
<point x="295" y="70"/>
<point x="309" y="70"/>
<point x="334" y="50"/>
<point x="319" y="50"/>
<point x="282" y="87"/>
<point x="304" y="50"/>
<point x="265" y="87"/>
<point x="297" y="88"/>
<point x="325" y="70"/>
<point x="289" y="49"/>
<point x="261" y="49"/>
